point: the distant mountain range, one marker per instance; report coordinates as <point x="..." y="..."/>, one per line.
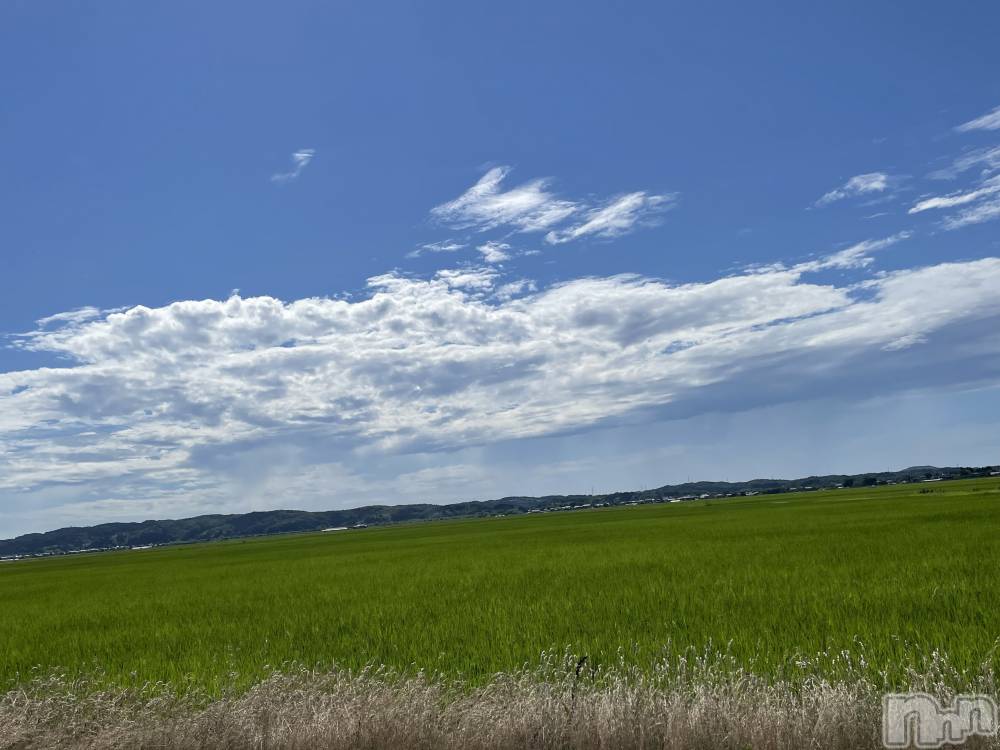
<point x="211" y="527"/>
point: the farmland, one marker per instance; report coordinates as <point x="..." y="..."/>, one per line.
<point x="890" y="573"/>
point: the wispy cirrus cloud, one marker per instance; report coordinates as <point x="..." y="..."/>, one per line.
<point x="981" y="212"/>
<point x="529" y="207"/>
<point x="533" y="207"/>
<point x="616" y="217"/>
<point x="989" y="121"/>
<point x="989" y="187"/>
<point x="444" y="246"/>
<point x="862" y="184"/>
<point x="856" y="256"/>
<point x="986" y="211"/>
<point x="980" y="201"/>
<point x="984" y="200"/>
<point x="985" y="158"/>
<point x="72" y="316"/>
<point x="300" y="160"/>
<point x="853" y="257"/>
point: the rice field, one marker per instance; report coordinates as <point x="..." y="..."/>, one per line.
<point x="776" y="583"/>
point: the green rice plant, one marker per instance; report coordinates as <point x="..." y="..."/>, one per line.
<point x="880" y="578"/>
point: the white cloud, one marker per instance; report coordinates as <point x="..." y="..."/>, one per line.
<point x="445" y="246"/>
<point x="862" y="184"/>
<point x="984" y="211"/>
<point x="855" y="256"/>
<point x="989" y="121"/>
<point x="300" y="160"/>
<point x="474" y="280"/>
<point x="531" y="207"/>
<point x="987" y="159"/>
<point x="616" y="217"/>
<point x="528" y="207"/>
<point x="988" y="187"/>
<point x="495" y="252"/>
<point x="72" y="316"/>
<point x="986" y="197"/>
<point x="177" y="401"/>
<point x="508" y="291"/>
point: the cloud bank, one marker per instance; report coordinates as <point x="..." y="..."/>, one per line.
<point x="160" y="403"/>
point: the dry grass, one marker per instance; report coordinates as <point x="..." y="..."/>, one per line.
<point x="688" y="703"/>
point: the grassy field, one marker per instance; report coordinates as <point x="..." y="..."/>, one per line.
<point x="901" y="571"/>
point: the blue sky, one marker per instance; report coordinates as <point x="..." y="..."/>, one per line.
<point x="317" y="256"/>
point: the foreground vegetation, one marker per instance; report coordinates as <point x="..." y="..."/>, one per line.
<point x="690" y="702"/>
<point x="888" y="574"/>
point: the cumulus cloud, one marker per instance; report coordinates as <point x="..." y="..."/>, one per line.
<point x="494" y="252"/>
<point x="616" y="217"/>
<point x="513" y="289"/>
<point x="862" y="184"/>
<point x="478" y="281"/>
<point x="300" y="160"/>
<point x="177" y="401"/>
<point x="989" y="121"/>
<point x="532" y="207"/>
